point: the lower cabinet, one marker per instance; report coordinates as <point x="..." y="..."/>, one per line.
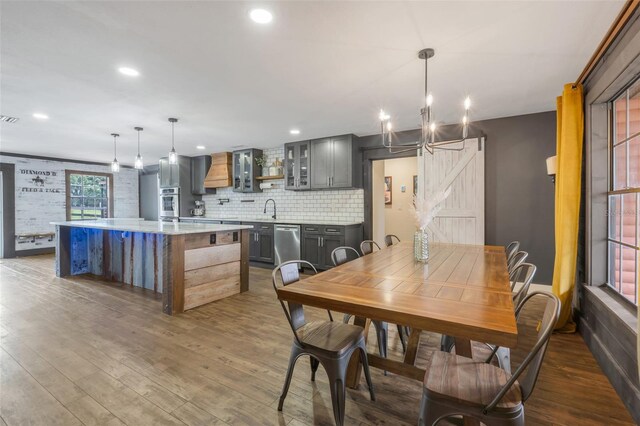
<point x="318" y="241"/>
<point x="261" y="242"/>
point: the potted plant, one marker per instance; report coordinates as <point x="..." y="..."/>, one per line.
<point x="261" y="161"/>
<point x="425" y="210"/>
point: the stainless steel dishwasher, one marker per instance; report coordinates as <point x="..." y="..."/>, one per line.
<point x="287" y="243"/>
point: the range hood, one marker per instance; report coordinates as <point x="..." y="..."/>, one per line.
<point x="219" y="175"/>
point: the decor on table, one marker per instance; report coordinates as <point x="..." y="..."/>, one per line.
<point x="261" y="161"/>
<point x="427" y="138"/>
<point x="425" y="210"/>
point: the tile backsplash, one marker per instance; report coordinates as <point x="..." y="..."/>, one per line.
<point x="345" y="205"/>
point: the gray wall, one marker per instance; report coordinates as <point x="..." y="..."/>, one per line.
<point x="519" y="196"/>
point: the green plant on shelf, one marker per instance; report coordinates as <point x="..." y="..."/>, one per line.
<point x="261" y="160"/>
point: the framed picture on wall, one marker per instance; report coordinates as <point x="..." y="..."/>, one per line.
<point x="415" y="184"/>
<point x="388" y="189"/>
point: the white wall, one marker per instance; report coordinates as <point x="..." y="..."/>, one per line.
<point x="398" y="215"/>
<point x="341" y="206"/>
<point x="37" y="206"/>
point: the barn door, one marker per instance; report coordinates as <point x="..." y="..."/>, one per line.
<point x="461" y="219"/>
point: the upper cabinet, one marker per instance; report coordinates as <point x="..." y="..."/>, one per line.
<point x="168" y="174"/>
<point x="327" y="163"/>
<point x="246" y="171"/>
<point x="296" y="165"/>
<point x="219" y="175"/>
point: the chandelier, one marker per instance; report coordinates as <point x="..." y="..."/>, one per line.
<point x="428" y="129"/>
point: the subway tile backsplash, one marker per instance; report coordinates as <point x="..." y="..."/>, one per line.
<point x="345" y="205"/>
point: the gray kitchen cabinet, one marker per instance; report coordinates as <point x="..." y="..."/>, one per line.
<point x="168" y="174"/>
<point x="334" y="163"/>
<point x="246" y="171"/>
<point x="297" y="165"/>
<point x="261" y="247"/>
<point x="318" y="241"/>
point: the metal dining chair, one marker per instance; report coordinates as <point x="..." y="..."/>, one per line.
<point x="512" y="249"/>
<point x="517" y="260"/>
<point x="326" y="342"/>
<point x="389" y="240"/>
<point x="456" y="385"/>
<point x="523" y="274"/>
<point x="366" y="247"/>
<point x="340" y="256"/>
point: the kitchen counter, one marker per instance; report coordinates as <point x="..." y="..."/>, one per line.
<point x="269" y="220"/>
<point x="151" y="227"/>
<point x="190" y="264"/>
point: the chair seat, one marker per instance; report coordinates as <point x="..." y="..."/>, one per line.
<point x="330" y="336"/>
<point x="464" y="381"/>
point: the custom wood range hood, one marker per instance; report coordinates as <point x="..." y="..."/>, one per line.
<point x="219" y="175"/>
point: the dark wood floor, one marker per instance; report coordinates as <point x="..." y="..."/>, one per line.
<point x="80" y="351"/>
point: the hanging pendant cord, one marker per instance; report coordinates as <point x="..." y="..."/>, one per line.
<point x="114" y="147"/>
<point x="172" y="137"/>
<point x="138" y="143"/>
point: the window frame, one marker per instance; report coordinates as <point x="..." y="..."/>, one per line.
<point x="611" y="191"/>
<point x="68" y="197"/>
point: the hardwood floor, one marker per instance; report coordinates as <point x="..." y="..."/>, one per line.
<point x="80" y="351"/>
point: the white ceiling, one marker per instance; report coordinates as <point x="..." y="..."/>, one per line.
<point x="323" y="67"/>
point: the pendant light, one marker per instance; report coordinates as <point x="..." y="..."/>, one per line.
<point x="138" y="163"/>
<point x="173" y="155"/>
<point x="115" y="166"/>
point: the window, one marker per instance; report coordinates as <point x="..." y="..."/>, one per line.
<point x="624" y="194"/>
<point x="89" y="195"/>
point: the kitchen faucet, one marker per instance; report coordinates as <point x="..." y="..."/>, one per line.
<point x="274" y="207"/>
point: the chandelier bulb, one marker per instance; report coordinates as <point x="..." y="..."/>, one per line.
<point x="467" y="103"/>
<point x="432" y="127"/>
<point x="465" y="120"/>
<point x="388" y="126"/>
<point x="429" y="99"/>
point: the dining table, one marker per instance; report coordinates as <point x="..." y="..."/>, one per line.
<point x="462" y="290"/>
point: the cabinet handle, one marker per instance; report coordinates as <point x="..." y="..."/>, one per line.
<point x="331" y="181"/>
<point x="319" y="242"/>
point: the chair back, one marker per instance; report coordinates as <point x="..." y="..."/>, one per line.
<point x="289" y="274"/>
<point x="366" y="247"/>
<point x="517" y="260"/>
<point x="522" y="274"/>
<point x="340" y="255"/>
<point x="512" y="249"/>
<point x="390" y="240"/>
<point x="530" y="366"/>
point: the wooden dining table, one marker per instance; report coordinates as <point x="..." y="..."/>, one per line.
<point x="462" y="291"/>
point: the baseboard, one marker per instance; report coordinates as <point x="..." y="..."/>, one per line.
<point x="36" y="251"/>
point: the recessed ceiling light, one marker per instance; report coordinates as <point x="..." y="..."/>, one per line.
<point x="294" y="131"/>
<point x="200" y="147"/>
<point x="40" y="116"/>
<point x="129" y="71"/>
<point x="261" y="16"/>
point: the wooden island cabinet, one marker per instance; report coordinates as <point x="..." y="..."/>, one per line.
<point x="190" y="264"/>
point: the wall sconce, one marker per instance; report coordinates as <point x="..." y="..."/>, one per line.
<point x="552" y="167"/>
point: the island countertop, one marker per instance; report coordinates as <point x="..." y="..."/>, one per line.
<point x="151" y="227"/>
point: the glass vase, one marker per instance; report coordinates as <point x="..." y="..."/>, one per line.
<point x="421" y="245"/>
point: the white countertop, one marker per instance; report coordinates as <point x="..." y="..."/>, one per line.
<point x="267" y="219"/>
<point x="151" y="227"/>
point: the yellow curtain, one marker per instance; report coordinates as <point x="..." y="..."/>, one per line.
<point x="570" y="129"/>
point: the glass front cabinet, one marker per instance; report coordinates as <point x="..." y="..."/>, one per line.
<point x="296" y="165"/>
<point x="246" y="171"/>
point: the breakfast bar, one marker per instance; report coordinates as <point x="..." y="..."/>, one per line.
<point x="190" y="264"/>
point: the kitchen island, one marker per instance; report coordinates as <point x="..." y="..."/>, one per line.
<point x="190" y="264"/>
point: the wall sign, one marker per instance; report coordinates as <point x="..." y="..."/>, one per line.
<point x="39" y="181"/>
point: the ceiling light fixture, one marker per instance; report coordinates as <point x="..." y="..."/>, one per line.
<point x="40" y="116"/>
<point x="261" y="16"/>
<point x="200" y="147"/>
<point x="138" y="164"/>
<point x="294" y="131"/>
<point x="115" y="166"/>
<point x="129" y="71"/>
<point x="173" y="155"/>
<point x="8" y="119"/>
<point x="427" y="138"/>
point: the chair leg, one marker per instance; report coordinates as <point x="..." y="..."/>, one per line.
<point x="314" y="367"/>
<point x="431" y="412"/>
<point x="365" y="366"/>
<point x="295" y="354"/>
<point x="504" y="358"/>
<point x="447" y="343"/>
<point x="337" y="370"/>
<point x="403" y="334"/>
<point x="346" y="318"/>
<point x="382" y="330"/>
